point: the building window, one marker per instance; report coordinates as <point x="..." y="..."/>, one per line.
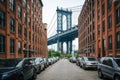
<point x="110" y="42"/>
<point x="28" y="9"/>
<point x="90" y="17"/>
<point x="32" y="1"/>
<point x="92" y="2"/>
<point x="24" y="3"/>
<point x="12" y="5"/>
<point x="103" y="9"/>
<point x="2" y="19"/>
<point x="98" y="2"/>
<point x="103" y="47"/>
<point x="19" y="11"/>
<point x="33" y="26"/>
<point x="25" y="33"/>
<point x="88" y="30"/>
<point x="12" y="27"/>
<point x="109" y="4"/>
<point x="19" y="47"/>
<point x="118" y="15"/>
<point x="98" y="29"/>
<point x="93" y="36"/>
<point x="98" y="14"/>
<point x="24" y="17"/>
<point x="118" y="40"/>
<point x="93" y="48"/>
<point x="88" y="39"/>
<point x="32" y="14"/>
<point x="103" y="26"/>
<point x="93" y="14"/>
<point x="93" y="25"/>
<point x="29" y="36"/>
<point x="2" y="0"/>
<point x="110" y="22"/>
<point x="11" y="45"/>
<point x="33" y="37"/>
<point x="29" y="22"/>
<point x="19" y="29"/>
<point x="2" y="44"/>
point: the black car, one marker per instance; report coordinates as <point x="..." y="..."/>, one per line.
<point x="110" y="67"/>
<point x="16" y="69"/>
<point x="38" y="63"/>
<point x="46" y="63"/>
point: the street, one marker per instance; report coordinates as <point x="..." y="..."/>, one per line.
<point x="64" y="70"/>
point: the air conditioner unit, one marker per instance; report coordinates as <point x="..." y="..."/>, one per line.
<point x="115" y="0"/>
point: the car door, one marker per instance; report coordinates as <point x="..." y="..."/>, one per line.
<point x="27" y="69"/>
<point x="82" y="62"/>
<point x="103" y="66"/>
<point x="109" y="68"/>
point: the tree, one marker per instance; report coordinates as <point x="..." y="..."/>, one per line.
<point x="52" y="53"/>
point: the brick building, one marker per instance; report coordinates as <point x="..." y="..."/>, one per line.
<point x="99" y="28"/>
<point x="21" y="28"/>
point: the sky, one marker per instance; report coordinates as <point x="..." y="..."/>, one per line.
<point x="49" y="15"/>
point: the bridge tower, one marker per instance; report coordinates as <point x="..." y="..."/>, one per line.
<point x="68" y="15"/>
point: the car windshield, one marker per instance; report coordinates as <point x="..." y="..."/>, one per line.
<point x="9" y="62"/>
<point x="117" y="61"/>
<point x="90" y="59"/>
<point x="74" y="58"/>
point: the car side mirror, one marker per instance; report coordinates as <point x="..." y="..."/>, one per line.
<point x="27" y="64"/>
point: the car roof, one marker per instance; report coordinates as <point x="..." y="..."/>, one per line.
<point x="111" y="57"/>
<point x="88" y="57"/>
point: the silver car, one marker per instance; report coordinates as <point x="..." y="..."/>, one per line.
<point x="89" y="62"/>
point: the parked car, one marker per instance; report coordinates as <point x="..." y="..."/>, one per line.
<point x="16" y="69"/>
<point x="88" y="62"/>
<point x="36" y="63"/>
<point x="72" y="59"/>
<point x="42" y="64"/>
<point x="46" y="63"/>
<point x="110" y="67"/>
<point x="50" y="61"/>
<point x="78" y="61"/>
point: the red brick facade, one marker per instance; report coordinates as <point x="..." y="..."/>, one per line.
<point x="99" y="28"/>
<point x="26" y="35"/>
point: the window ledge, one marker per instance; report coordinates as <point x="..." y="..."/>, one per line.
<point x="2" y="52"/>
<point x="118" y="49"/>
<point x="110" y="29"/>
<point x="118" y="24"/>
<point x="110" y="50"/>
<point x="12" y="53"/>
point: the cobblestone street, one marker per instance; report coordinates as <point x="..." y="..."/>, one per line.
<point x="64" y="70"/>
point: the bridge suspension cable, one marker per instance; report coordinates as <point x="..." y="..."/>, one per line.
<point x="53" y="29"/>
<point x="50" y="27"/>
<point x="74" y="7"/>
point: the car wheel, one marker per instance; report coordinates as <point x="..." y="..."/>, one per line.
<point x="117" y="78"/>
<point x="100" y="75"/>
<point x="84" y="67"/>
<point x="39" y="70"/>
<point x="80" y="66"/>
<point x="34" y="75"/>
